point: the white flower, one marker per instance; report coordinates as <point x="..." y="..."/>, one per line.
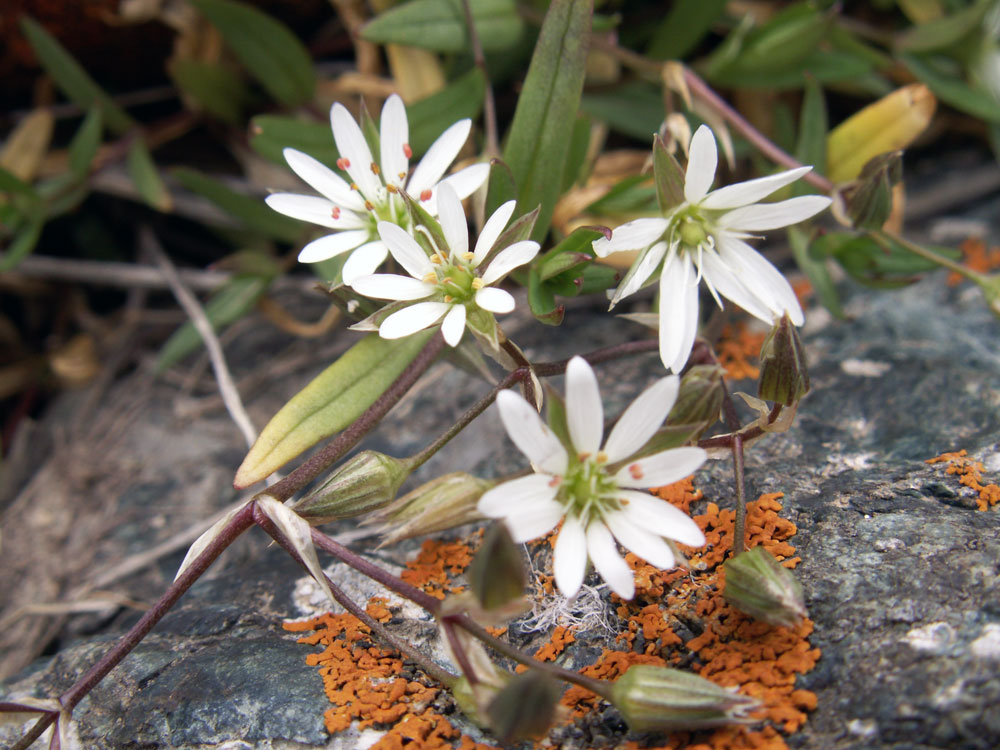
<point x="703" y="238"/>
<point x="451" y="282"/>
<point x="353" y="209"/>
<point x="593" y="490"/>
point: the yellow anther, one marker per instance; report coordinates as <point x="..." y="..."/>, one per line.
<point x="448" y="298"/>
<point x="436" y="259"/>
<point x="468" y="256"/>
<point x="354" y="186"/>
<point x="391" y="188"/>
<point x="602" y="457"/>
<point x="430" y="277"/>
<point x="369" y="205"/>
<point x="581" y="457"/>
<point x="375" y="169"/>
<point x="477" y="283"/>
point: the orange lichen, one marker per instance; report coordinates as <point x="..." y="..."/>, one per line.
<point x="433" y="564"/>
<point x="970" y="474"/>
<point x="977" y="257"/>
<point x="736" y="349"/>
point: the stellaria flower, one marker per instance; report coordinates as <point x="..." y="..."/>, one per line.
<point x="594" y="490"/>
<point x="702" y="237"/>
<point x="354" y="209"/>
<point x="452" y="283"/>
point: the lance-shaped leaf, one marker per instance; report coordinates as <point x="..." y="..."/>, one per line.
<point x="211" y="87"/>
<point x="70" y="76"/>
<point x="683" y="27"/>
<point x="146" y="177"/>
<point x="537" y="144"/>
<point x="440" y="25"/>
<point x="432" y="115"/>
<point x="270" y="135"/>
<point x="272" y="53"/>
<point x="22" y="245"/>
<point x="83" y="147"/>
<point x="952" y="90"/>
<point x="669" y="176"/>
<point x="299" y="534"/>
<point x="334" y="399"/>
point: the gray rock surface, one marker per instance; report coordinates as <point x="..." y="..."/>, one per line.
<point x="901" y="572"/>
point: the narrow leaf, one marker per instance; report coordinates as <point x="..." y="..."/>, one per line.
<point x="816" y="270"/>
<point x="212" y="87"/>
<point x="334" y="399"/>
<point x="635" y="108"/>
<point x="83" y="147"/>
<point x="440" y="25"/>
<point x="500" y="186"/>
<point x="146" y="177"/>
<point x="684" y="27"/>
<point x="22" y="246"/>
<point x="668" y="176"/>
<point x="953" y="90"/>
<point x="11" y="183"/>
<point x="270" y="134"/>
<point x="811" y="146"/>
<point x="431" y="116"/>
<point x="70" y="76"/>
<point x="537" y="144"/>
<point x="268" y="49"/>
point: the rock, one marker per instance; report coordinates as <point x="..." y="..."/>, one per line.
<point x="900" y="570"/>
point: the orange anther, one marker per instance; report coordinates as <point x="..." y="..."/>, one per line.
<point x="635" y="471"/>
<point x="407" y="151"/>
<point x="425" y="195"/>
<point x="335" y="212"/>
<point x="343" y="163"/>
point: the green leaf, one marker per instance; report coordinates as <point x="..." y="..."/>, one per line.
<point x="253" y="213"/>
<point x="500" y="186"/>
<point x="684" y="27"/>
<point x="270" y="134"/>
<point x="332" y="401"/>
<point x="213" y="87"/>
<point x="872" y="264"/>
<point x="22" y="245"/>
<point x="439" y="25"/>
<point x="11" y="183"/>
<point x="825" y="66"/>
<point x="782" y="43"/>
<point x="268" y="49"/>
<point x="83" y="147"/>
<point x="816" y="270"/>
<point x="70" y="76"/>
<point x="573" y="253"/>
<point x="631" y="195"/>
<point x="953" y="90"/>
<point x="431" y="116"/>
<point x="227" y="304"/>
<point x="576" y="158"/>
<point x="146" y="177"/>
<point x="813" y="127"/>
<point x="635" y="109"/>
<point x="542" y="300"/>
<point x="668" y="176"/>
<point x="944" y="32"/>
<point x="537" y="144"/>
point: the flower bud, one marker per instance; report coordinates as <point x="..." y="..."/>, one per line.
<point x="700" y="396"/>
<point x="784" y="378"/>
<point x="443" y="503"/>
<point x="652" y="698"/>
<point x="758" y="585"/>
<point x="526" y="707"/>
<point x="363" y="484"/>
<point x="869" y="203"/>
<point x="496" y="575"/>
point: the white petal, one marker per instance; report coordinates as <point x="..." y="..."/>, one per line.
<point x="412" y="319"/>
<point x="644" y="267"/>
<point x="569" y="559"/>
<point x="313" y="209"/>
<point x="612" y="568"/>
<point x="465" y="182"/>
<point x="763" y="216"/>
<point x="492" y="230"/>
<point x="364" y="261"/>
<point x="508" y="259"/>
<point x="763" y="280"/>
<point x="405" y="249"/>
<point x="324" y="180"/>
<point x="495" y="300"/>
<point x="392" y="286"/>
<point x="660" y="517"/>
<point x="751" y="191"/>
<point x="394" y="134"/>
<point x="332" y="245"/>
<point x="703" y="158"/>
<point x="634" y="235"/>
<point x="453" y="325"/>
<point x="438" y="158"/>
<point x="453" y="223"/>
<point x="649" y="547"/>
<point x="534" y="522"/>
<point x="678" y="312"/>
<point x="662" y="468"/>
<point x="642" y="418"/>
<point x="354" y="152"/>
<point x="584" y="410"/>
<point x="518" y="495"/>
<point x="733" y="285"/>
<point x="530" y="434"/>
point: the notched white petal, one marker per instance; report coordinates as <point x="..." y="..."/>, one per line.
<point x="703" y="158"/>
<point x="332" y="245"/>
<point x="439" y="157"/>
<point x="518" y="495"/>
<point x="394" y="134"/>
<point x="761" y="217"/>
<point x="392" y="286"/>
<point x="495" y="300"/>
<point x="751" y="191"/>
<point x="530" y="434"/>
<point x="534" y="522"/>
<point x="492" y="230"/>
<point x="584" y="410"/>
<point x="642" y="418"/>
<point x="508" y="259"/>
<point x="453" y="325"/>
<point x="662" y="468"/>
<point x="405" y="249"/>
<point x="323" y="179"/>
<point x="678" y="312"/>
<point x="660" y="517"/>
<point x="364" y="261"/>
<point x="569" y="559"/>
<point x="633" y="235"/>
<point x="608" y="563"/>
<point x="412" y="319"/>
<point x="453" y="223"/>
<point x="649" y="547"/>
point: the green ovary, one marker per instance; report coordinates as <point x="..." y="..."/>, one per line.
<point x="587" y="490"/>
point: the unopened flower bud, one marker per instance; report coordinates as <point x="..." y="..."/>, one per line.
<point x="869" y="203"/>
<point x="652" y="698"/>
<point x="365" y="483"/>
<point x="525" y="708"/>
<point x="758" y="585"/>
<point x="700" y="396"/>
<point x="443" y="503"/>
<point x="496" y="575"/>
<point x="784" y="378"/>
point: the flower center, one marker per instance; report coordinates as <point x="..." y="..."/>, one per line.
<point x="588" y="490"/>
<point x="691" y="231"/>
<point x="457" y="281"/>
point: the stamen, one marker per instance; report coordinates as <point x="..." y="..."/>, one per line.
<point x="354" y="186"/>
<point x="448" y="298"/>
<point x="425" y="195"/>
<point x="407" y="151"/>
<point x="343" y="163"/>
<point x="335" y="212"/>
<point x="436" y="259"/>
<point x="635" y="471"/>
<point x="555" y="481"/>
<point x="391" y="188"/>
<point x="375" y="169"/>
<point x="468" y="256"/>
<point x="401" y="175"/>
<point x="477" y="283"/>
<point x="430" y="277"/>
<point x="369" y="205"/>
<point x="601" y="457"/>
<point x="583" y="456"/>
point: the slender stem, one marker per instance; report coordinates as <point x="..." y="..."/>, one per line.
<point x="441" y="675"/>
<point x="352" y="435"/>
<point x="457" y="649"/>
<point x="489" y="107"/>
<point x="884" y="238"/>
<point x="739" y="533"/>
<point x="747" y="434"/>
<point x="44" y="722"/>
<point x="596" y="357"/>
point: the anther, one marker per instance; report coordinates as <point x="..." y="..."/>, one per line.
<point x="425" y="195"/>
<point x="430" y="277"/>
<point x="601" y="457"/>
<point x="555" y="481"/>
<point x="583" y="456"/>
<point x="375" y="169"/>
<point x="436" y="259"/>
<point x="401" y="175"/>
<point x="391" y="188"/>
<point x="635" y="471"/>
<point x="477" y="283"/>
<point x="448" y="298"/>
<point x="343" y="163"/>
<point x="354" y="186"/>
<point x="468" y="256"/>
<point x="335" y="212"/>
<point x="407" y="151"/>
<point x="369" y="205"/>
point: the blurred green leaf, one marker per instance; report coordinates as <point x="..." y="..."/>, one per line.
<point x="268" y="49"/>
<point x="332" y="401"/>
<point x="951" y="89"/>
<point x="431" y="116"/>
<point x="500" y="186"/>
<point x="83" y="147"/>
<point x="572" y="253"/>
<point x="668" y="177"/>
<point x="813" y="127"/>
<point x="542" y="300"/>
<point x="684" y="27"/>
<point x="634" y="108"/>
<point x="22" y="245"/>
<point x="439" y="25"/>
<point x="875" y="265"/>
<point x="816" y="270"/>
<point x="253" y="213"/>
<point x="70" y="76"/>
<point x="944" y="32"/>
<point x="576" y="157"/>
<point x="634" y="194"/>
<point x="270" y="134"/>
<point x="227" y="304"/>
<point x="825" y="66"/>
<point x="537" y="144"/>
<point x="213" y="87"/>
<point x="146" y="177"/>
<point x="11" y="183"/>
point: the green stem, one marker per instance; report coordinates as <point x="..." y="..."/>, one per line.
<point x="885" y="239"/>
